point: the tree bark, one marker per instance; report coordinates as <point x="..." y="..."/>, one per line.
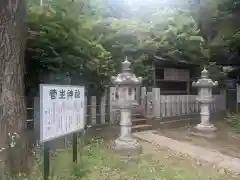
<point x="12" y="103"/>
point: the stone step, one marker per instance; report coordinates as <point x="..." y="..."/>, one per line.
<point x="137" y="116"/>
<point x="139" y="121"/>
<point x="142" y="127"/>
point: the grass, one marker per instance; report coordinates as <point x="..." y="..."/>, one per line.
<point x="99" y="162"/>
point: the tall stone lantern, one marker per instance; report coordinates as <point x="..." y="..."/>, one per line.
<point x="205" y="85"/>
<point x="126" y="83"/>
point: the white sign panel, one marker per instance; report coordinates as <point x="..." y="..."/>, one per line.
<point x="61" y="110"/>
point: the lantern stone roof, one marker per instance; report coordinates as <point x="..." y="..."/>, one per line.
<point x="205" y="81"/>
<point x="126" y="77"/>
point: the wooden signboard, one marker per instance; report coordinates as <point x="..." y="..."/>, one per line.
<point x="172" y="74"/>
<point x="61" y="110"/>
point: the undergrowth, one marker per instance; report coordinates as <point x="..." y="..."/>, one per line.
<point x="62" y="167"/>
<point x="234" y="121"/>
<point x="97" y="161"/>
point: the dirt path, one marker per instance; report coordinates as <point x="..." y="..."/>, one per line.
<point x="220" y="160"/>
<point x="226" y="141"/>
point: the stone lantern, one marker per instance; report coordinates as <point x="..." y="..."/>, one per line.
<point x="126" y="83"/>
<point x="205" y="85"/>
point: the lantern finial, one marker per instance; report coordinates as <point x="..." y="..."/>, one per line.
<point x="204" y="73"/>
<point x="126" y="65"/>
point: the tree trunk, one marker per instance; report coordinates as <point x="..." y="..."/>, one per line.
<point x="12" y="103"/>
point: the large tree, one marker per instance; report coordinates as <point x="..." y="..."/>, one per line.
<point x="12" y="104"/>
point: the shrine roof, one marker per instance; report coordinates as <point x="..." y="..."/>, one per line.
<point x="162" y="61"/>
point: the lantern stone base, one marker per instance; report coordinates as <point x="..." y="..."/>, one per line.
<point x="127" y="147"/>
<point x="206" y="127"/>
<point x="202" y="130"/>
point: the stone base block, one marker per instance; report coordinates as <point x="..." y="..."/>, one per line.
<point x="127" y="147"/>
<point x="207" y="131"/>
<point x="208" y="127"/>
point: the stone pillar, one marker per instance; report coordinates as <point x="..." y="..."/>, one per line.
<point x="126" y="145"/>
<point x="205" y="85"/>
<point x="126" y="124"/>
<point x="205" y="118"/>
<point x="156" y="103"/>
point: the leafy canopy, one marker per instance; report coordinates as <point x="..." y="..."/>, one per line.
<point x="168" y="32"/>
<point x="91" y="38"/>
<point x="61" y="40"/>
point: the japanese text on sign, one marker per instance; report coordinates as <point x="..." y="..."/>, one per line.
<point x="62" y="110"/>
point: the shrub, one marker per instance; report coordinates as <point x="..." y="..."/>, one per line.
<point x="234" y="121"/>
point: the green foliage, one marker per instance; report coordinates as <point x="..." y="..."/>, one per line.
<point x="61" y="40"/>
<point x="228" y="13"/>
<point x="229" y="8"/>
<point x="174" y="35"/>
<point x="92" y="38"/>
<point x="103" y="163"/>
<point x="216" y="72"/>
<point x="234" y="121"/>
